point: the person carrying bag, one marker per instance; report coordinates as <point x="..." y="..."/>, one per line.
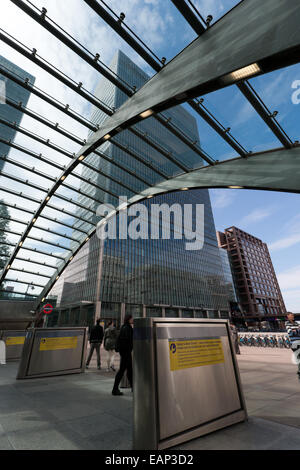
<point x="110" y="338"/>
<point x="124" y="346"/>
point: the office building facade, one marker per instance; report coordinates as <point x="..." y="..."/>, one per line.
<point x="255" y="279"/>
<point x="143" y="276"/>
<point x="9" y="90"/>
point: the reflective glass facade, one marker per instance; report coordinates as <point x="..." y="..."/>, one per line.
<point x="144" y="271"/>
<point x="15" y="93"/>
<point x="229" y="281"/>
<point x="10" y="92"/>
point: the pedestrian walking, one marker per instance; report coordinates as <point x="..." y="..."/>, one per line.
<point x="235" y="338"/>
<point x="2" y="353"/>
<point x="109" y="341"/>
<point x="124" y="346"/>
<point x="96" y="337"/>
<point x="293" y="330"/>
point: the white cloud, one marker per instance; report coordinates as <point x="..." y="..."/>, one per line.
<point x="292" y="300"/>
<point x="279" y="89"/>
<point x="291" y="231"/>
<point x="221" y="198"/>
<point x="244" y="113"/>
<point x="210" y="7"/>
<point x="257" y="215"/>
<point x="285" y="242"/>
<point x="290" y="279"/>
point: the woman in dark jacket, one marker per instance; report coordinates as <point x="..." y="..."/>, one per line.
<point x="124" y="346"/>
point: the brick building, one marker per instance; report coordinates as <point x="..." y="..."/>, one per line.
<point x="256" y="283"/>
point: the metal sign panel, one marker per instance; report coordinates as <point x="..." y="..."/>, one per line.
<point x="186" y="380"/>
<point x="53" y="351"/>
<point x="14" y="341"/>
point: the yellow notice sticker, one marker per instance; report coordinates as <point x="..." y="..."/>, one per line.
<point x="51" y="344"/>
<point x="14" y="340"/>
<point x="195" y="353"/>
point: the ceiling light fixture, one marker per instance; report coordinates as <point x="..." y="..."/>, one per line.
<point x="242" y="73"/>
<point x="147" y="113"/>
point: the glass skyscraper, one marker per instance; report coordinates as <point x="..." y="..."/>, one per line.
<point x="12" y="91"/>
<point x="146" y="276"/>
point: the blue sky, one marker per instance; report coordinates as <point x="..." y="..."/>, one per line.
<point x="273" y="217"/>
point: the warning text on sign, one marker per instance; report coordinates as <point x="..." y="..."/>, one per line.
<point x="15" y="340"/>
<point x="195" y="353"/>
<point x="52" y="344"/>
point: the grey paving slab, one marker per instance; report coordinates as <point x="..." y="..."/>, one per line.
<point x="281" y="387"/>
<point x="70" y="410"/>
<point x="12" y="405"/>
<point x="269" y="395"/>
<point x="125" y="414"/>
<point x="51" y="437"/>
<point x="25" y="420"/>
<point x="293" y="398"/>
<point x="283" y="409"/>
<point x="115" y="440"/>
<point x="254" y="405"/>
<point x="98" y="423"/>
<point x="256" y="434"/>
<point x="79" y="412"/>
<point x="5" y="444"/>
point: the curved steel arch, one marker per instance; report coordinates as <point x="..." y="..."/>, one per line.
<point x="274" y="42"/>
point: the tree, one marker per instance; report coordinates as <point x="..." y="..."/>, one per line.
<point x="4" y="223"/>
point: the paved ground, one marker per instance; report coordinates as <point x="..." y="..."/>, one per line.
<point x="79" y="412"/>
<point x="272" y="392"/>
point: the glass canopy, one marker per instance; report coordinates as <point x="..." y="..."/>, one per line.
<point x="56" y="159"/>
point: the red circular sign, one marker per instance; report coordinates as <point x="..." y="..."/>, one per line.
<point x="47" y="309"/>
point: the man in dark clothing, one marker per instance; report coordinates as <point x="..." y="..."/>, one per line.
<point x="293" y="330"/>
<point x="96" y="337"/>
<point x="124" y="346"/>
